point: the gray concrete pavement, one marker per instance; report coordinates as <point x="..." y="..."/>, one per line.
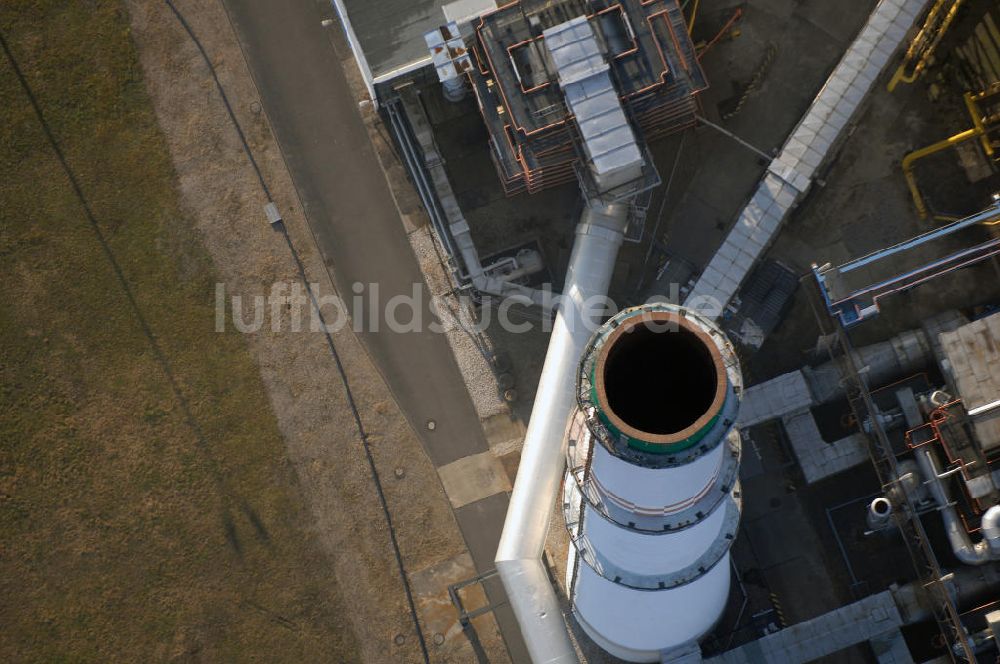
<point x="350" y="209"/>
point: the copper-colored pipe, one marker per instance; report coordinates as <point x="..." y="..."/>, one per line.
<point x="531" y="175"/>
<point x="506" y="103"/>
<point x="479" y="63"/>
<point x="666" y="69"/>
<point x="616" y="6"/>
<point x="718" y="36"/>
<point x="935" y="420"/>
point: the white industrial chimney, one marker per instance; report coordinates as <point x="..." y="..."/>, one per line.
<point x="651" y="496"/>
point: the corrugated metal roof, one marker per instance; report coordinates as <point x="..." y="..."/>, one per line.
<point x="584" y="77"/>
<point x="574" y="50"/>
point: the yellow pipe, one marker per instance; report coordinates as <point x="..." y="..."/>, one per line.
<point x="901" y="75"/>
<point x="977" y="122"/>
<point x="908" y="161"/>
<point x="911" y="51"/>
<point x="694" y="15"/>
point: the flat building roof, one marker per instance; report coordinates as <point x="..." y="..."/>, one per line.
<point x="387" y="36"/>
<point x="973" y="351"/>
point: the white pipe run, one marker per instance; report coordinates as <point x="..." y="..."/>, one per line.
<point x="490" y="279"/>
<point x="983" y="551"/>
<point x="989" y="526"/>
<point x="519" y="556"/>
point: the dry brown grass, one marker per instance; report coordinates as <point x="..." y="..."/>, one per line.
<point x="141" y="518"/>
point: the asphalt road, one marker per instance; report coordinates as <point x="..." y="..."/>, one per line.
<point x="350" y="209"/>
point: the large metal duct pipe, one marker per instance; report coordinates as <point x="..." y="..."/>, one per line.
<point x="519" y="556"/>
<point x="968" y="587"/>
<point x="989" y="526"/>
<point x="652" y="500"/>
<point x="882" y="362"/>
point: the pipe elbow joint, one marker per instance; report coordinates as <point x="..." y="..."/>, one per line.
<point x="990" y="528"/>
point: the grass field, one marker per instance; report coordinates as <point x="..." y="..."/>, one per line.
<point x="147" y="510"/>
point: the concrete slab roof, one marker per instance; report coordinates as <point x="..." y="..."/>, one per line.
<point x="389" y="34"/>
<point x="973" y="353"/>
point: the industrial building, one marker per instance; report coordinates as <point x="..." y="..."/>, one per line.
<point x="645" y="447"/>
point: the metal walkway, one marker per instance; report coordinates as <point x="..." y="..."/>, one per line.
<point x="855" y="305"/>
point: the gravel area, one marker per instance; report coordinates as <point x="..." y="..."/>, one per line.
<point x="471" y="349"/>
